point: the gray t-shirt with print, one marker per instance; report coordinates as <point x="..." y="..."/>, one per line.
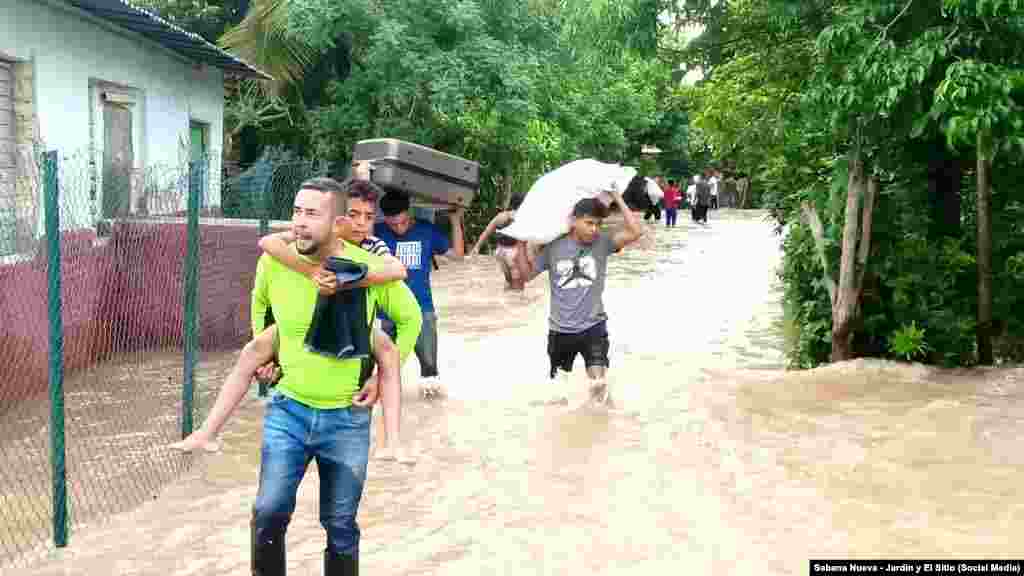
<point x="576" y="273"/>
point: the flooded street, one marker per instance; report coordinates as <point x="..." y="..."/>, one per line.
<point x="714" y="460"/>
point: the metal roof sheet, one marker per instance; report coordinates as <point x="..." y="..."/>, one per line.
<point x="190" y="45"/>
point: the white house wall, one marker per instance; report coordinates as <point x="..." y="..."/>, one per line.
<point x="73" y="55"/>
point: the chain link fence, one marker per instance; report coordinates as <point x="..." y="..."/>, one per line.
<point x="126" y="298"/>
<point x="266" y="189"/>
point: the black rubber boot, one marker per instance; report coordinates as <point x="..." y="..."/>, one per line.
<point x="340" y="564"/>
<point x="268" y="557"/>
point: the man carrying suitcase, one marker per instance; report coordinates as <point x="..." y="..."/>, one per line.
<point x="414" y="242"/>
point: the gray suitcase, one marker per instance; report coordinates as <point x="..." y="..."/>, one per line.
<point x="433" y="179"/>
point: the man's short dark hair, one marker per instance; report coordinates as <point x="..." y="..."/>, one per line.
<point x="331" y="186"/>
<point x="589" y="207"/>
<point x="635" y="196"/>
<point x="357" y="188"/>
<point x="394" y="203"/>
<point x="516" y="201"/>
<point x="637" y="185"/>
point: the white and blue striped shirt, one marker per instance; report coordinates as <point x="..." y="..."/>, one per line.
<point x="375" y="246"/>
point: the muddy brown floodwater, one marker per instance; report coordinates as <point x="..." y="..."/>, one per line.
<point x="716" y="460"/>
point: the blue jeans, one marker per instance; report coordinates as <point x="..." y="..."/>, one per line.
<point x="294" y="434"/>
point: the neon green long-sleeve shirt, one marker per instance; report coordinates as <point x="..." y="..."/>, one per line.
<point x="313" y="379"/>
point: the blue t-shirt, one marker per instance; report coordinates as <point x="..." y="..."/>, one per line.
<point x="414" y="249"/>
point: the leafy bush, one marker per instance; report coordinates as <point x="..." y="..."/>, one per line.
<point x="920" y="293"/>
<point x="908" y="342"/>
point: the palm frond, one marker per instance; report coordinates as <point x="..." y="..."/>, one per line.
<point x="263" y="39"/>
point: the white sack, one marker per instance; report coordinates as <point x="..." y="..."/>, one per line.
<point x="545" y="212"/>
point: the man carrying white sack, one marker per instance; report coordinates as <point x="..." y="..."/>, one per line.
<point x="543" y="215"/>
<point x="577" y="264"/>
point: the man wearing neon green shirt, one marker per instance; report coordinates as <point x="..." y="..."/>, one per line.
<point x="317" y="410"/>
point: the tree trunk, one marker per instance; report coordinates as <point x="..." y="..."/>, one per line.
<point x="845" y="305"/>
<point x="864" y="248"/>
<point x="984" y="330"/>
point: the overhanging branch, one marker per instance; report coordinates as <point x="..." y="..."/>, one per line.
<point x="885" y="30"/>
<point x="818" y="233"/>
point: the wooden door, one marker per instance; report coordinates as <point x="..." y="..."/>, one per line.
<point x="118" y="160"/>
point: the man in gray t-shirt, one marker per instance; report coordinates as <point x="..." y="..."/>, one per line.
<point x="577" y="264"/>
<point x="577" y="273"/>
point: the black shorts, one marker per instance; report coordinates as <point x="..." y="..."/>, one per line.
<point x="592" y="344"/>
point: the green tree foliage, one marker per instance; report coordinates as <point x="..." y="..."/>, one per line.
<point x="264" y="39"/>
<point x="521" y="87"/>
<point x="208" y="18"/>
<point x="886" y="137"/>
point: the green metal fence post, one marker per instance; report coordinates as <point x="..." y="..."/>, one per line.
<point x="191" y="297"/>
<point x="267" y="200"/>
<point x="57" y="446"/>
<point x="265" y="206"/>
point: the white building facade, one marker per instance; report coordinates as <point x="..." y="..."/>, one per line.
<point x="124" y="98"/>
